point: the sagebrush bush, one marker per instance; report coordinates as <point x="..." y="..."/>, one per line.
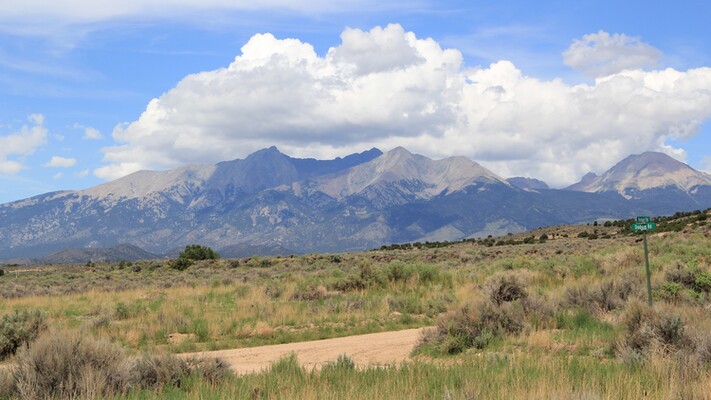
<point x="71" y="366"/>
<point x="505" y="288"/>
<point x="604" y="296"/>
<point x="274" y="290"/>
<point x="648" y="329"/>
<point x="153" y="371"/>
<point x="308" y="291"/>
<point x="20" y="328"/>
<point x="476" y="325"/>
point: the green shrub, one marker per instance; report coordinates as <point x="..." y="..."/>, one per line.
<point x="192" y="253"/>
<point x="702" y="281"/>
<point x="20" y="328"/>
<point x="406" y="303"/>
<point x="181" y="263"/>
<point x="121" y="311"/>
<point x="288" y="366"/>
<point x="2" y="272"/>
<point x="196" y="252"/>
<point x="201" y="329"/>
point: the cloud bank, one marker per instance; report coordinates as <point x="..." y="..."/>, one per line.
<point x="386" y="87"/>
<point x="21" y="143"/>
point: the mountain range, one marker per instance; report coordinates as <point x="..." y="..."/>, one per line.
<point x="272" y="203"/>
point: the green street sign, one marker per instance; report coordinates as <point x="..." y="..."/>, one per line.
<point x="649" y="226"/>
<point x="645" y="224"/>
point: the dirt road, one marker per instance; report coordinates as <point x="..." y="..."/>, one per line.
<point x="371" y="349"/>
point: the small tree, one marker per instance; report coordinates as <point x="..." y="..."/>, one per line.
<point x="196" y="252"/>
<point x="192" y="253"/>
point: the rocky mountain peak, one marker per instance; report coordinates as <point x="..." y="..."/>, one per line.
<point x="397" y="166"/>
<point x="648" y="170"/>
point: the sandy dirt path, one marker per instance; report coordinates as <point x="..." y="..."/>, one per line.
<point x="365" y="350"/>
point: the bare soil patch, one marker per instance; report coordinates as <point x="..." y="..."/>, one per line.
<point x="385" y="348"/>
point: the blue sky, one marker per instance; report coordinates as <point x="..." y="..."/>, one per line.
<point x="91" y="92"/>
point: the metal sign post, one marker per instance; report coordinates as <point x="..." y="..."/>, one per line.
<point x="644" y="224"/>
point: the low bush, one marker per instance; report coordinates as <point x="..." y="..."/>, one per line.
<point x="181" y="263"/>
<point x="73" y="366"/>
<point x="274" y="290"/>
<point x="505" y="288"/>
<point x="476" y="326"/>
<point x="309" y="291"/>
<point x="20" y="328"/>
<point x="604" y="296"/>
<point x="647" y="329"/>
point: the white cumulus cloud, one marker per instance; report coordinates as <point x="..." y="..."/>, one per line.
<point x="60" y="162"/>
<point x="92" y="133"/>
<point x="600" y="54"/>
<point x="21" y="143"/>
<point x="386" y="88"/>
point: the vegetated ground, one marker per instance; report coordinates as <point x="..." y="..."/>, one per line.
<point x="519" y="316"/>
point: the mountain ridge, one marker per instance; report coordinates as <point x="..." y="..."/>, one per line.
<point x="270" y="200"/>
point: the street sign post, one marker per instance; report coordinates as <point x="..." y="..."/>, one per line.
<point x="649" y="226"/>
<point x="643" y="225"/>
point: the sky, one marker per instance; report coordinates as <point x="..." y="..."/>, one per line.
<point x="92" y="91"/>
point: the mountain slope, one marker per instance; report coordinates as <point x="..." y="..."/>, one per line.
<point x="527" y="183"/>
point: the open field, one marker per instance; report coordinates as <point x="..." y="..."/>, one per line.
<point x="515" y="317"/>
